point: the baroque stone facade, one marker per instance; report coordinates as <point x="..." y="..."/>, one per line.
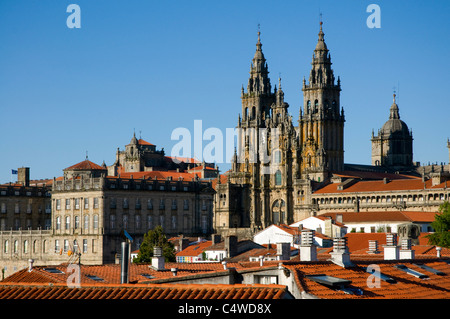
<point x="282" y="172"/>
<point x="278" y="162"/>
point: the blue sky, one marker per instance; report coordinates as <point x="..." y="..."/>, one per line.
<point x="152" y="66"/>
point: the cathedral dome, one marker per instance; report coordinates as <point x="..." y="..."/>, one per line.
<point x="395" y="126"/>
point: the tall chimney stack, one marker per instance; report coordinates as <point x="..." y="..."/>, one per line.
<point x="406" y="252"/>
<point x="340" y="254"/>
<point x="125" y="263"/>
<point x="391" y="251"/>
<point x="308" y="251"/>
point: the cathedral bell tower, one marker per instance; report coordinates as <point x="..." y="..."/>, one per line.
<point x="321" y="124"/>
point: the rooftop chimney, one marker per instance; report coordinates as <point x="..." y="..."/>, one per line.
<point x="283" y="251"/>
<point x="373" y="247"/>
<point x="340" y="255"/>
<point x="125" y="262"/>
<point x="23" y="176"/>
<point x="183" y="243"/>
<point x="174" y="271"/>
<point x="158" y="261"/>
<point x="216" y="238"/>
<point x="406" y="252"/>
<point x="308" y="251"/>
<point x="30" y="265"/>
<point x="231" y="245"/>
<point x="391" y="251"/>
<point x="224" y="263"/>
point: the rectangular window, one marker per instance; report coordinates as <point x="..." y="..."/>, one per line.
<point x="96" y="202"/>
<point x="86" y="203"/>
<point x="112" y="220"/>
<point x="58" y="204"/>
<point x="138" y="221"/>
<point x="3" y="207"/>
<point x="67" y="203"/>
<point x="16" y="208"/>
<point x="77" y="203"/>
<point x="95" y="221"/>
<point x="57" y="245"/>
<point x="85" y="246"/>
<point x="86" y="222"/>
<point x="150" y="221"/>
<point x="149" y="204"/>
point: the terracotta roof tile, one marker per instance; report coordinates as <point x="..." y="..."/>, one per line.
<point x="85" y="165"/>
<point x="378" y="186"/>
<point x="380" y="216"/>
<point x="167" y="291"/>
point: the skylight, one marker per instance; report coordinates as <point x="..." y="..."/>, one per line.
<point x="336" y="284"/>
<point x="330" y="281"/>
<point x="411" y="271"/>
<point x="148" y="276"/>
<point x="93" y="277"/>
<point x="432" y="270"/>
<point x="381" y="276"/>
<point x="53" y="270"/>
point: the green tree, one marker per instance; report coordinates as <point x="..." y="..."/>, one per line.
<point x="441" y="226"/>
<point x="155" y="237"/>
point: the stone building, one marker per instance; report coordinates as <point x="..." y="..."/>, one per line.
<point x="393" y="146"/>
<point x="278" y="162"/>
<point x="282" y="172"/>
<point x="86" y="211"/>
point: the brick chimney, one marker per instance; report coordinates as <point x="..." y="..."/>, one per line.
<point x="308" y="251"/>
<point x="391" y="250"/>
<point x="340" y="255"/>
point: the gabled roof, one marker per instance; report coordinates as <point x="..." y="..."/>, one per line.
<point x="195" y="249"/>
<point x="142" y="142"/>
<point x="85" y="165"/>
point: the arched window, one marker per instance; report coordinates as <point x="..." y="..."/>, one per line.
<point x="278" y="177"/>
<point x="278" y="211"/>
<point x="316" y="106"/>
<point x="253" y="113"/>
<point x="308" y="106"/>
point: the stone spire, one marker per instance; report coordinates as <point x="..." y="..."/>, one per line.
<point x="321" y="73"/>
<point x="394" y="114"/>
<point x="259" y="82"/>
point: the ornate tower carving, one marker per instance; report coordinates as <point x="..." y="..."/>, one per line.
<point x="321" y="124"/>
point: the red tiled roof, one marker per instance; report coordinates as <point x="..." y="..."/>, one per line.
<point x="142" y="142"/>
<point x="195" y="249"/>
<point x="373" y="175"/>
<point x="127" y="291"/>
<point x="398" y="216"/>
<point x="379" y="186"/>
<point x="85" y="165"/>
<point x="406" y="286"/>
<point x="160" y="175"/>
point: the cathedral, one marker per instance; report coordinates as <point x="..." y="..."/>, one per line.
<point x="278" y="159"/>
<point x="279" y="164"/>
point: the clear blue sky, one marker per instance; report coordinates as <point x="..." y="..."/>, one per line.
<point x="153" y="66"/>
